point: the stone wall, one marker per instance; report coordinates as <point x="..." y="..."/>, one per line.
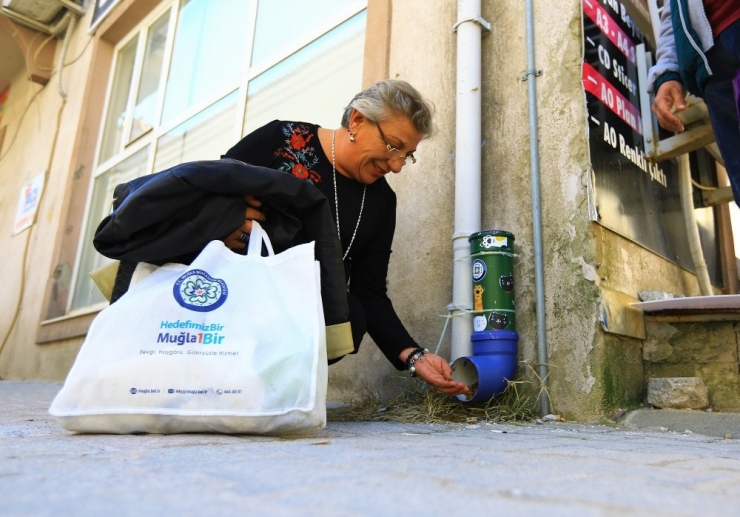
<point x="708" y="350"/>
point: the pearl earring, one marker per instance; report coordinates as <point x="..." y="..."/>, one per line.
<point x="351" y="136"/>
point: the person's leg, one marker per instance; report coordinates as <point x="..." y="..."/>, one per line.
<point x="357" y="320"/>
<point x="724" y="60"/>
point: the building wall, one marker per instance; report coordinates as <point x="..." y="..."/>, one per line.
<point x="591" y="372"/>
<point x="573" y="338"/>
<point x="421" y="267"/>
<point x="41" y="132"/>
<point x="422" y="51"/>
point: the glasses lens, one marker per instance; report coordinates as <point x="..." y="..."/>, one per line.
<point x="390" y="149"/>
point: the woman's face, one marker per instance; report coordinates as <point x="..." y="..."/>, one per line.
<point x="368" y="157"/>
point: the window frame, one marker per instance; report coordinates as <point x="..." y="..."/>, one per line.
<point x="140" y="31"/>
<point x="129" y="149"/>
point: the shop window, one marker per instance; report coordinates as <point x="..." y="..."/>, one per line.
<point x="195" y="75"/>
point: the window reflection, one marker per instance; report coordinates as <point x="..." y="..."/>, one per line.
<point x="146" y="98"/>
<point x="116" y="119"/>
<point x="86" y="293"/>
<point x="278" y="34"/>
<point x="205" y="136"/>
<point x="209" y="52"/>
<point x="314" y="84"/>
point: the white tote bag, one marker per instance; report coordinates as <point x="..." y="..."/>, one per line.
<point x="232" y="344"/>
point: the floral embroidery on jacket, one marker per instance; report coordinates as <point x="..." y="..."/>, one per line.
<point x="299" y="157"/>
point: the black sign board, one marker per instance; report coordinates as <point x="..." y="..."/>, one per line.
<point x="634" y="197"/>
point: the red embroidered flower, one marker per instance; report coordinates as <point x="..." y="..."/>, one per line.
<point x="299" y="171"/>
<point x="297" y="142"/>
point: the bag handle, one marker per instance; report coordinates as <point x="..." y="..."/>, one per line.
<point x="256" y="238"/>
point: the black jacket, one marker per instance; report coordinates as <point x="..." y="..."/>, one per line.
<point x="171" y="215"/>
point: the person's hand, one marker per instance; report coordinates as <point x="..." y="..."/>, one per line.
<point x="670" y="96"/>
<point x="235" y="240"/>
<point x="436" y="371"/>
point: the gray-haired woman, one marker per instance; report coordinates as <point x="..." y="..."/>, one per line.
<point x="380" y="131"/>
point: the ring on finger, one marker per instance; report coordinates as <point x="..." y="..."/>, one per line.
<point x="244" y="237"/>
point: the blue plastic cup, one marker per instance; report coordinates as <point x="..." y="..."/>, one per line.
<point x="491" y="366"/>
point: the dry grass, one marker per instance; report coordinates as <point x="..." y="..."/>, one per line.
<point x="425" y="405"/>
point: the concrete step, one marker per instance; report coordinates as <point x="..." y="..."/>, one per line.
<point x="722" y="425"/>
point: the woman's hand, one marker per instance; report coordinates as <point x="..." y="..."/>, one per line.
<point x="436" y="371"/>
<point x="236" y="240"/>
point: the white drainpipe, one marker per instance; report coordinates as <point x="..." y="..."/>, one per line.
<point x="692" y="230"/>
<point x="469" y="28"/>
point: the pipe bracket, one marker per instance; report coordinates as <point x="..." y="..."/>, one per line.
<point x="535" y="73"/>
<point x="486" y="26"/>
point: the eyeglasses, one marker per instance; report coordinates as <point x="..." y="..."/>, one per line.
<point x="404" y="158"/>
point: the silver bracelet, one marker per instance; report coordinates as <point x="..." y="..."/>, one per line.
<point x="416" y="355"/>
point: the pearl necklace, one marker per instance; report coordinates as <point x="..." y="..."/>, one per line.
<point x="336" y="198"/>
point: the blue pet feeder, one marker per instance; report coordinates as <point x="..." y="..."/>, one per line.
<point x="492" y="364"/>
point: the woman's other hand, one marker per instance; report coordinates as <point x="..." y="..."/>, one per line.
<point x="237" y="240"/>
<point x="436" y="371"/>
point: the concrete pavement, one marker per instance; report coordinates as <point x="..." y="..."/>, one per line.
<point x="360" y="468"/>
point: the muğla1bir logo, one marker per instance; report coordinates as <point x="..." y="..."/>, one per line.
<point x="198" y="291"/>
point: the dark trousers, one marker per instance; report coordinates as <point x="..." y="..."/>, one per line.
<point x="724" y="60"/>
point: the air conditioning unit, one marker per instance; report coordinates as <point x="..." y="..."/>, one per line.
<point x="43" y="11"/>
<point x="41" y="15"/>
